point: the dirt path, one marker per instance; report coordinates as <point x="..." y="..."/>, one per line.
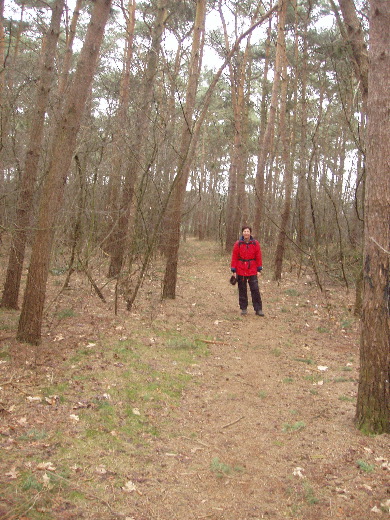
<point x="267" y="432"/>
<point x="265" y="429"/>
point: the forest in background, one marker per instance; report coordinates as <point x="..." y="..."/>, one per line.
<point x="127" y="127"/>
<point x="134" y="120"/>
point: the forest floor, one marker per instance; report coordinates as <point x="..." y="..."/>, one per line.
<point x="183" y="409"/>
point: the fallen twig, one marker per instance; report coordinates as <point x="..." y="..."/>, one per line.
<point x="211" y="341"/>
<point x="23" y="508"/>
<point x="234" y="422"/>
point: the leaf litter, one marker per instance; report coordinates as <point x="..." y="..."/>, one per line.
<point x="143" y="454"/>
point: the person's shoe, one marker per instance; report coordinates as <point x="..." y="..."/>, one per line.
<point x="244" y="312"/>
<point x="259" y="313"/>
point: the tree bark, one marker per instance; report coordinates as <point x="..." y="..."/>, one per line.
<point x="62" y="149"/>
<point x="269" y="133"/>
<point x="119" y="143"/>
<point x="260" y="168"/>
<point x="288" y="172"/>
<point x="302" y="196"/>
<point x="7" y="72"/>
<point x="30" y="173"/>
<point x="237" y="204"/>
<point x="139" y="161"/>
<point x="183" y="169"/>
<point x="373" y="403"/>
<point x="354" y="36"/>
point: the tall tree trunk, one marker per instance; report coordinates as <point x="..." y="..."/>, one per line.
<point x="119" y="143"/>
<point x="373" y="402"/>
<point x="231" y="202"/>
<point x="6" y="100"/>
<point x="260" y="168"/>
<point x="241" y="132"/>
<point x="63" y="146"/>
<point x="354" y="36"/>
<point x="269" y="133"/>
<point x="140" y="161"/>
<point x="302" y="198"/>
<point x="288" y="173"/>
<point x="237" y="204"/>
<point x="30" y="173"/>
<point x="179" y="188"/>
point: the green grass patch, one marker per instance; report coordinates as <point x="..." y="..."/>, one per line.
<point x="313" y="378"/>
<point x="125" y="394"/>
<point x="82" y="354"/>
<point x="343" y="380"/>
<point x="346" y="324"/>
<point x="152" y="385"/>
<point x="309" y="494"/>
<point x="8" y="319"/>
<point x="288" y="380"/>
<point x="186" y="350"/>
<point x="365" y="466"/>
<point x="291" y="292"/>
<point x="4" y="353"/>
<point x="65" y="313"/>
<point x="346" y="399"/>
<point x="30" y="482"/>
<point x="307" y="361"/>
<point x="323" y="330"/>
<point x="299" y="425"/>
<point x="33" y="435"/>
<point x="58" y="390"/>
<point x="221" y="469"/>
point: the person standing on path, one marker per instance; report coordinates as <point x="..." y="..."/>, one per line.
<point x="246" y="263"/>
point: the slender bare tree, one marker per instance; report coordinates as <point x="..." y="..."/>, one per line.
<point x="62" y="149"/>
<point x="237" y="203"/>
<point x="270" y="129"/>
<point x="30" y="173"/>
<point x="140" y="159"/>
<point x="351" y="29"/>
<point x="288" y="171"/>
<point x="183" y="168"/>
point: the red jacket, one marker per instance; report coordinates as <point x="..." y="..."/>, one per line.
<point x="246" y="257"/>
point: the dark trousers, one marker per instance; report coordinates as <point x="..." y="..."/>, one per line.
<point x="243" y="292"/>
